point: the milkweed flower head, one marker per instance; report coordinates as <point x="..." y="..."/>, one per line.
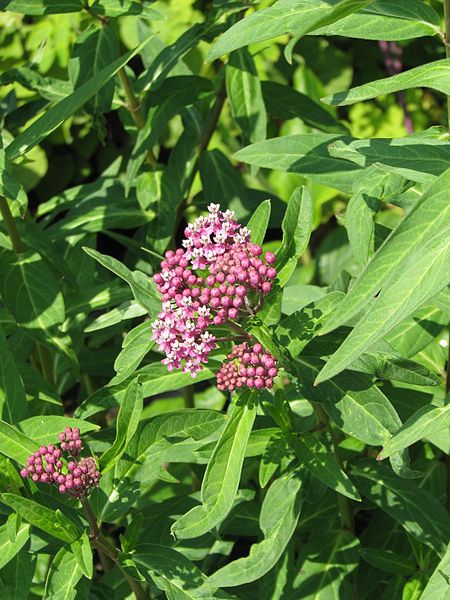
<point x="217" y="277"/>
<point x="61" y="466"/>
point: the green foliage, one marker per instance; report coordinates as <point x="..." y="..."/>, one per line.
<point x="323" y="125"/>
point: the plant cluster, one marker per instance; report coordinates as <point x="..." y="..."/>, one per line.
<point x="224" y="299"/>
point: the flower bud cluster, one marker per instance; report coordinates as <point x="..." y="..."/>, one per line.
<point x="247" y="366"/>
<point x="49" y="465"/>
<point x="234" y="276"/>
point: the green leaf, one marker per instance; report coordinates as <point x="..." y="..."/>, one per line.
<point x="9" y="548"/>
<point x="174" y="574"/>
<point x="65" y="108"/>
<point x="63" y="575"/>
<point x="259" y="222"/>
<point x="136" y="344"/>
<point x="148" y="449"/>
<point x="93" y="51"/>
<point x="351" y="401"/>
<point x="384" y="365"/>
<point x="300" y="327"/>
<point x="42" y="517"/>
<point x="388" y="561"/>
<point x="221" y="480"/>
<point x="409" y="268"/>
<point x="386" y="20"/>
<point x="304" y="154"/>
<point x="42" y="7"/>
<point x="416" y="509"/>
<point x="434" y="75"/>
<point x="280" y="512"/>
<point x="220" y="179"/>
<point x="155" y="379"/>
<point x="273" y="454"/>
<point x="82" y="552"/>
<point x="31" y="293"/>
<point x="317" y="458"/>
<point x="44" y="429"/>
<point x="245" y="96"/>
<point x="325" y="566"/>
<point x="286" y="103"/>
<point x="10" y="188"/>
<point x="423" y="423"/>
<point x="415" y="157"/>
<point x="122" y="8"/>
<point x="13" y="401"/>
<point x="144" y="293"/>
<point x="126" y="424"/>
<point x="297" y="227"/>
<point x="14" y="444"/>
<point x="286" y="16"/>
<point x="438" y="585"/>
<point x="126" y="310"/>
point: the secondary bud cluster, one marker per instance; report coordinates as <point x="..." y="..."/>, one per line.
<point x="233" y="278"/>
<point x="71" y="476"/>
<point x="247" y="366"/>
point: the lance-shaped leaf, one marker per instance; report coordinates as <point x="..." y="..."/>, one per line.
<point x="304" y="154"/>
<point x="286" y="103"/>
<point x="65" y="108"/>
<point x="416" y="509"/>
<point x="63" y="576"/>
<point x="297" y="227"/>
<point x="44" y="430"/>
<point x="388" y="561"/>
<point x="140" y="284"/>
<point x="13" y="401"/>
<point x="14" y="444"/>
<point x="82" y="552"/>
<point x="418" y="158"/>
<point x="325" y="566"/>
<point x="286" y="16"/>
<point x="126" y="424"/>
<point x="9" y="548"/>
<point x="57" y="525"/>
<point x="280" y="512"/>
<point x="434" y="75"/>
<point x="42" y="7"/>
<point x="146" y="452"/>
<point x="245" y="96"/>
<point x="174" y="574"/>
<point x="259" y="222"/>
<point x="410" y="267"/>
<point x="300" y="327"/>
<point x="222" y="476"/>
<point x="386" y="20"/>
<point x="317" y="458"/>
<point x="423" y="423"/>
<point x="136" y="344"/>
<point x="385" y="365"/>
<point x="32" y="294"/>
<point x="438" y="586"/>
<point x="10" y="188"/>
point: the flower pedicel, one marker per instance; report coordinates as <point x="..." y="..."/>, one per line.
<point x="217" y="278"/>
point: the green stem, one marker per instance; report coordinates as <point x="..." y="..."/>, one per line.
<point x="103" y="545"/>
<point x="189" y="397"/>
<point x="46" y="363"/>
<point x="345" y="508"/>
<point x="11" y="226"/>
<point x="447" y="45"/>
<point x="134" y="108"/>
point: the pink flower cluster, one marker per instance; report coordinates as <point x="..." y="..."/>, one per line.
<point x="247" y="366"/>
<point x="233" y="279"/>
<point x="47" y="465"/>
